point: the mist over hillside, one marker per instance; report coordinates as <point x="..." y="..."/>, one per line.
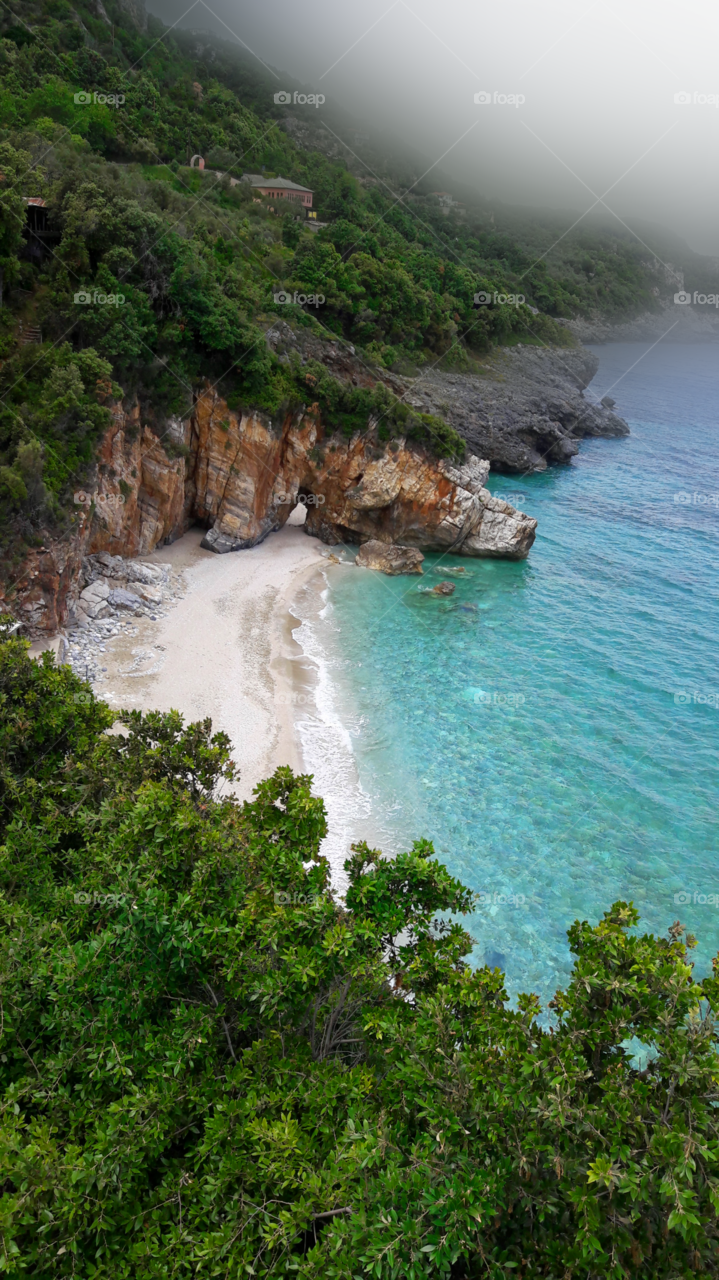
<point x="618" y="107"/>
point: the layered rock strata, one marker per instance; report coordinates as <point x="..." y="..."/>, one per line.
<point x="252" y="474"/>
<point x="406" y="498"/>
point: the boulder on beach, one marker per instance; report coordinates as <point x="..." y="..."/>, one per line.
<point x="121" y="599"/>
<point x="387" y="557"/>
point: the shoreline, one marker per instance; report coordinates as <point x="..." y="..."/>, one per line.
<point x="240" y="643"/>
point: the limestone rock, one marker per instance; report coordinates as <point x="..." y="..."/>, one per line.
<point x="443" y="589"/>
<point x="93" y="600"/>
<point x="98" y="590"/>
<point x="424" y="505"/>
<point x="388" y="558"/>
<point x="379" y="485"/>
<point x="150" y="574"/>
<point x="470" y="475"/>
<point x="119" y="598"/>
<point x="241" y="474"/>
<point x="525" y="412"/>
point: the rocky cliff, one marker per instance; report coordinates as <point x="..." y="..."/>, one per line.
<point x="525" y="410"/>
<point x="241" y="474"/>
<point x="249" y="476"/>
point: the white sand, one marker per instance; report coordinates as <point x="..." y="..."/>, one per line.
<point x="225" y="650"/>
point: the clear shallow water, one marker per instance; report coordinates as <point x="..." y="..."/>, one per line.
<point x="553" y="727"/>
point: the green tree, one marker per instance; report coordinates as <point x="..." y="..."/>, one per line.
<point x="16" y="171"/>
<point x="212" y="1064"/>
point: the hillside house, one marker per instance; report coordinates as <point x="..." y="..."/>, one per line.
<point x="279" y="188"/>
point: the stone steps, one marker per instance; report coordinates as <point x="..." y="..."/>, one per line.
<point x="30" y="333"/>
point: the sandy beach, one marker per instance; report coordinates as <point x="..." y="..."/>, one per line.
<point x="224" y="650"/>
<point x="239" y="644"/>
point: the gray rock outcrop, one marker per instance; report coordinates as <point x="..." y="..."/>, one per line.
<point x="524" y="411"/>
<point x="115" y="587"/>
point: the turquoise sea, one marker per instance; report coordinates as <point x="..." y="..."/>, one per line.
<point x="553" y="726"/>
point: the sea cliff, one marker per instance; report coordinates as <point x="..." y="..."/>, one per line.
<point x="240" y="473"/>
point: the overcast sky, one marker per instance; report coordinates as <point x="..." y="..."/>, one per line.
<point x="599" y="82"/>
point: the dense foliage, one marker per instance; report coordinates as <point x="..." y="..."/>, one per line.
<point x="211" y="1065"/>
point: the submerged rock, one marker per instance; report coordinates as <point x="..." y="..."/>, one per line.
<point x="443" y="589"/>
<point x="389" y="558"/>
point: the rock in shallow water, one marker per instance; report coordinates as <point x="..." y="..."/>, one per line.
<point x="389" y="558"/>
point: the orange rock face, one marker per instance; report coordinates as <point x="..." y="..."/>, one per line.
<point x="250" y="472"/>
<point x="241" y="474"/>
<point x="40" y="592"/>
<point x="140" y="499"/>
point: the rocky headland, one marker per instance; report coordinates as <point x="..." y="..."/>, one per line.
<point x="525" y="410"/>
